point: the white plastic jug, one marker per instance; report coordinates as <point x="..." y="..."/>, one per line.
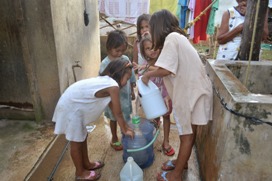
<point x="151" y="99"/>
<point x="131" y="171"/>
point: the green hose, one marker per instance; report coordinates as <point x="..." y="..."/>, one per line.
<point x="146" y="146"/>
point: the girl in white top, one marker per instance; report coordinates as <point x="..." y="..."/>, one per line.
<point x="186" y="82"/>
<point x="230" y="32"/>
<point x="82" y="103"/>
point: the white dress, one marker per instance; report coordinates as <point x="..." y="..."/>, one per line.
<point x="188" y="84"/>
<point x="78" y="106"/>
<point x="229" y="51"/>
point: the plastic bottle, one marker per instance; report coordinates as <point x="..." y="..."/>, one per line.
<point x="143" y="130"/>
<point x="131" y="171"/>
<point x="151" y="99"/>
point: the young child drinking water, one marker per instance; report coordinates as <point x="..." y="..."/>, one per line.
<point x="151" y="56"/>
<point x="83" y="102"/>
<point x="116" y="45"/>
<point x="186" y="82"/>
<point x="139" y="62"/>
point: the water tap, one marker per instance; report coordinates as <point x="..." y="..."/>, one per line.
<point x="73" y="68"/>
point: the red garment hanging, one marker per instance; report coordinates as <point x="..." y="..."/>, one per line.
<point x="201" y="25"/>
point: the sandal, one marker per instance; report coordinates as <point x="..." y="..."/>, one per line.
<point x="117" y="146"/>
<point x="170" y="165"/>
<point x="97" y="165"/>
<point x="168" y="151"/>
<point x="92" y="177"/>
<point x="162" y="176"/>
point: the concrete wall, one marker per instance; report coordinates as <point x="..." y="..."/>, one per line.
<point x="40" y="57"/>
<point x="232" y="147"/>
<point x="257" y="82"/>
<point x="12" y="69"/>
<point x="40" y="42"/>
<point x="28" y="60"/>
<point x="74" y="40"/>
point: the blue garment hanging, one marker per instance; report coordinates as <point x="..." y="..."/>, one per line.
<point x="183" y="2"/>
<point x="183" y="9"/>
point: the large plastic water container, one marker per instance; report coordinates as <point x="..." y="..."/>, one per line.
<point x="144" y="133"/>
<point x="131" y="171"/>
<point x="151" y="99"/>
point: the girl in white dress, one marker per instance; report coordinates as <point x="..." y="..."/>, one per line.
<point x="151" y="57"/>
<point x="83" y="102"/>
<point x="230" y="32"/>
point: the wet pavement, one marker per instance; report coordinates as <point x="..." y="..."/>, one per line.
<point x="100" y="149"/>
<point x="23" y="143"/>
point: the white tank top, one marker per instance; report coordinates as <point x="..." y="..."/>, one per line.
<point x="141" y="59"/>
<point x="229" y="51"/>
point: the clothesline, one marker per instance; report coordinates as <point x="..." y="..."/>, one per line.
<point x="187" y="11"/>
<point x="124" y="10"/>
<point x="206" y="24"/>
<point x="190" y="24"/>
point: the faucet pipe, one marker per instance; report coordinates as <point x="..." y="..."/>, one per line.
<point x="73" y="68"/>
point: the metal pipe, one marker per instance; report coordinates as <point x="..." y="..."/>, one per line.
<point x="73" y="68"/>
<point x="58" y="162"/>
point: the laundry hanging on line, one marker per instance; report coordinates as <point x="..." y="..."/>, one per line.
<point x="191" y="9"/>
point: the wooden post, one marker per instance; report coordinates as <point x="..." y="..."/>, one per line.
<point x="248" y="30"/>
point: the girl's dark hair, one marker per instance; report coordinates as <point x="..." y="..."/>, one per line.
<point x="117" y="69"/>
<point x="162" y="23"/>
<point x="143" y="17"/>
<point x="116" y="38"/>
<point x="146" y="37"/>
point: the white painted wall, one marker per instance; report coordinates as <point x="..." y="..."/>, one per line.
<point x="74" y="40"/>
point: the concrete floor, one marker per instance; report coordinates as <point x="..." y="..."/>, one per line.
<point x="99" y="149"/>
<point x="23" y="143"/>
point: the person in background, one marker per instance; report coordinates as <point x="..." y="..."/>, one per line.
<point x="139" y="62"/>
<point x="83" y="102"/>
<point x="230" y="31"/>
<point x="151" y="56"/>
<point x="116" y="45"/>
<point x="186" y="82"/>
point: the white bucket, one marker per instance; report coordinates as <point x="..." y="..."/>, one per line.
<point x="151" y="100"/>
